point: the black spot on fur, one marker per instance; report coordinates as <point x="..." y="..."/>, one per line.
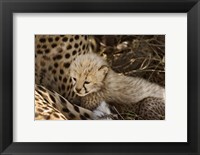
<point x="54" y="105"/>
<point x="46" y="101"/>
<point x="71" y="115"/>
<point x="63" y="117"/>
<point x="50" y="39"/>
<point x="76" y="37"/>
<point x="69" y="47"/>
<point x="54" y="71"/>
<point x="44" y="46"/>
<point x="82" y="117"/>
<point x="63" y="87"/>
<point x="50" y="68"/>
<point x="65" y="39"/>
<point x="65" y="109"/>
<point x="86" y="115"/>
<point x="40" y="93"/>
<point x="43" y="71"/>
<point x="85" y="37"/>
<point x="42" y="63"/>
<point x="47" y="117"/>
<point x="81" y="43"/>
<point x="83" y="48"/>
<point x="76" y="109"/>
<point x="52" y="98"/>
<point x="56" y="65"/>
<point x="42" y="40"/>
<point x="76" y="45"/>
<point x="45" y="108"/>
<point x="56" y="115"/>
<point x="57" y="38"/>
<point x="38" y="46"/>
<point x="71" y="39"/>
<point x="65" y="80"/>
<point x="41" y="88"/>
<point x="67" y="55"/>
<point x="61" y="71"/>
<point x="92" y="47"/>
<point x="53" y="45"/>
<point x="74" y="52"/>
<point x="73" y="94"/>
<point x="39" y="52"/>
<point x="57" y="57"/>
<point x="66" y="65"/>
<point x="47" y="51"/>
<point x="45" y="57"/>
<point x="63" y="94"/>
<point x="62" y="99"/>
<point x="40" y="110"/>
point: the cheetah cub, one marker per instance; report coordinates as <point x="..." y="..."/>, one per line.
<point x="94" y="81"/>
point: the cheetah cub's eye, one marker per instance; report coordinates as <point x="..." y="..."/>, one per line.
<point x="74" y="79"/>
<point x="86" y="82"/>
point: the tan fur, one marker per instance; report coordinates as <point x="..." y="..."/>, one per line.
<point x="53" y="56"/>
<point x="97" y="82"/>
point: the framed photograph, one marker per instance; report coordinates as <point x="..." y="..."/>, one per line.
<point x="99" y="77"/>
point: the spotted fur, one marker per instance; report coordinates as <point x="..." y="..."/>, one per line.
<point x="53" y="56"/>
<point x="54" y="106"/>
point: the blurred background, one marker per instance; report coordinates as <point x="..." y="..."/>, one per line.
<point x="134" y="55"/>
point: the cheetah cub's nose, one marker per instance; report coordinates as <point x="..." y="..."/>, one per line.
<point x="78" y="90"/>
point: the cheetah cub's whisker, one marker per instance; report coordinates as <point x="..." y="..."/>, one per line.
<point x="94" y="81"/>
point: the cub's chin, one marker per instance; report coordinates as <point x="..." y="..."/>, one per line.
<point x="81" y="95"/>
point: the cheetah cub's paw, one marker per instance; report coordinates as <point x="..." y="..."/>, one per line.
<point x="102" y="112"/>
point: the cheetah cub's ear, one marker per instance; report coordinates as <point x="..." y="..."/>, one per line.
<point x="102" y="72"/>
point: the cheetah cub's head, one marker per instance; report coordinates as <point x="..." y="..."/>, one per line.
<point x="88" y="73"/>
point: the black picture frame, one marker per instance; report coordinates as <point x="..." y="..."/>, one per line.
<point x="8" y="7"/>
